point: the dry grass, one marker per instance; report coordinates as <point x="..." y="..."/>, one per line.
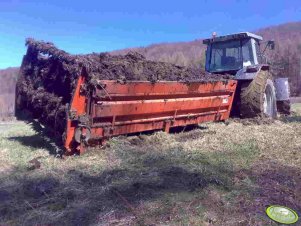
<point x="297" y="108"/>
<point x="219" y="174"/>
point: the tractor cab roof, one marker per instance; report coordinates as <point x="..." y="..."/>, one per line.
<point x="237" y="36"/>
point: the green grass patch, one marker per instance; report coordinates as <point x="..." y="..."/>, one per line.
<point x="193" y="178"/>
<point x="297" y="107"/>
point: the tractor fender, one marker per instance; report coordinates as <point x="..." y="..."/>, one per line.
<point x="283" y="95"/>
<point x="250" y="72"/>
<point x="282" y="89"/>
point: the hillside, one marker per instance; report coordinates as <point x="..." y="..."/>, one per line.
<point x="286" y="56"/>
<point x="8" y="79"/>
<point x="286" y="36"/>
<point x="181" y="53"/>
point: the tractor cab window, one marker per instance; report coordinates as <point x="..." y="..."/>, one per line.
<point x="247" y="53"/>
<point x="258" y="53"/>
<point x="225" y="56"/>
<point x="231" y="55"/>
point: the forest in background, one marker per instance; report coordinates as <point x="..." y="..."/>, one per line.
<point x="8" y="78"/>
<point x="286" y="57"/>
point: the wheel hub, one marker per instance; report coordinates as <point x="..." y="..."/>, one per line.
<point x="265" y="103"/>
<point x="268" y="102"/>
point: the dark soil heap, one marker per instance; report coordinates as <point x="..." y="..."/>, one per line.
<point x="48" y="77"/>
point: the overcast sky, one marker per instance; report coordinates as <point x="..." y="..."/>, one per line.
<point x="97" y="26"/>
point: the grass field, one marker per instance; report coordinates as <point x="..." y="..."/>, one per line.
<point x="217" y="174"/>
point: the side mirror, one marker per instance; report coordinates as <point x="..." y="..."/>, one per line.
<point x="271" y="44"/>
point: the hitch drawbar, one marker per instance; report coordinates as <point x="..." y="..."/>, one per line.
<point x="117" y="109"/>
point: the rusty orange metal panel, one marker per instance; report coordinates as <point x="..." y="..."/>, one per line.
<point x="137" y="106"/>
<point x="77" y="108"/>
<point x="134" y="88"/>
<point x="135" y="127"/>
<point x="117" y="108"/>
<point x="153" y="119"/>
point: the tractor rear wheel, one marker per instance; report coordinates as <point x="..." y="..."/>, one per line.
<point x="258" y="97"/>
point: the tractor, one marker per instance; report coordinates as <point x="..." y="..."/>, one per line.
<point x="243" y="55"/>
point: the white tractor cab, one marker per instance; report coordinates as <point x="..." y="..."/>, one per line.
<point x="241" y="55"/>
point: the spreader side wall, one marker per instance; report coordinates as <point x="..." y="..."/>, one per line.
<point x="137" y="106"/>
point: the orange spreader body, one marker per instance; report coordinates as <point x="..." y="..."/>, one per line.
<point x="115" y="109"/>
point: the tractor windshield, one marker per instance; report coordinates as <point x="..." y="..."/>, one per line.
<point x="230" y="55"/>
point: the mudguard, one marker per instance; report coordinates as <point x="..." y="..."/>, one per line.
<point x="250" y="72"/>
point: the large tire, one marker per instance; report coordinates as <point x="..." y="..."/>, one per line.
<point x="258" y="97"/>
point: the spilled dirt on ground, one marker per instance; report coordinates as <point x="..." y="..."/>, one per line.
<point x="264" y="120"/>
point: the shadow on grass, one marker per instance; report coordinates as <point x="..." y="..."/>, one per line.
<point x="48" y="201"/>
<point x="116" y="195"/>
<point x="279" y="185"/>
<point x="42" y="139"/>
<point x="36" y="142"/>
<point x="84" y="198"/>
<point x="147" y="173"/>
